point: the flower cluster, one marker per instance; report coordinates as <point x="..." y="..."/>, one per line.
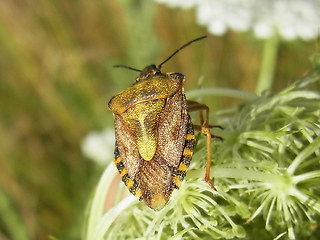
<point x="99" y="146"/>
<point x="290" y="19"/>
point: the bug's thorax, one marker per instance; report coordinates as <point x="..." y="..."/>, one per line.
<point x="151" y="85"/>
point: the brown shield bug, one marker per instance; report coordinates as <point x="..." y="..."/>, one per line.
<point x="155" y="135"/>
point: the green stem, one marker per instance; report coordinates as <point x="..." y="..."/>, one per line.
<point x="309" y="150"/>
<point x="11" y="221"/>
<point x="97" y="204"/>
<point x="225" y="92"/>
<point x="237" y="173"/>
<point x="306" y="176"/>
<point x="109" y="217"/>
<point x="269" y="57"/>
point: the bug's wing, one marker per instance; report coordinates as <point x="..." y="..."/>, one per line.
<point x="158" y="177"/>
<point x="155" y="180"/>
<point x="136" y="133"/>
<point x="172" y="129"/>
<point x="127" y="146"/>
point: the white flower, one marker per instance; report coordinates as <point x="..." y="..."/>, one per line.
<point x="289" y="18"/>
<point x="99" y="146"/>
<point x="179" y="3"/>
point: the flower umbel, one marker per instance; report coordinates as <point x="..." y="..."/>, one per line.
<point x="290" y="19"/>
<point x="266" y="172"/>
<point x="276" y="151"/>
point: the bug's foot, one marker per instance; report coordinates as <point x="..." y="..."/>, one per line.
<point x="210" y="183"/>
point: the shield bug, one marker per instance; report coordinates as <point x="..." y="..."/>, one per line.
<point x="155" y="135"/>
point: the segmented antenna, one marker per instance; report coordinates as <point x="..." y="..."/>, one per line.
<point x="182" y="47"/>
<point x="159" y="66"/>
<point x="127" y="67"/>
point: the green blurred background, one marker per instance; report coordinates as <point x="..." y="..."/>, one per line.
<point x="56" y="77"/>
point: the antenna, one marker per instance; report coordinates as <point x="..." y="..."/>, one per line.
<point x="182" y="47"/>
<point x="127" y="67"/>
<point x="159" y="66"/>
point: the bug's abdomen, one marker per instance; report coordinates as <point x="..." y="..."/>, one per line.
<point x="130" y="183"/>
<point x="154" y="178"/>
<point x="186" y="154"/>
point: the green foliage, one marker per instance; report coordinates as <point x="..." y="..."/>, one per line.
<point x="266" y="173"/>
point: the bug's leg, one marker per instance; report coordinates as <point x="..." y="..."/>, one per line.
<point x="195" y="106"/>
<point x="207" y="175"/>
<point x="205" y="129"/>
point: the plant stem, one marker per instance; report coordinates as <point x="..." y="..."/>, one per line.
<point x="237" y="173"/>
<point x="96" y="207"/>
<point x="310" y="149"/>
<point x="267" y="69"/>
<point x="226" y="92"/>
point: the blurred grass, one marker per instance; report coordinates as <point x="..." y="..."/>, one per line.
<point x="56" y="76"/>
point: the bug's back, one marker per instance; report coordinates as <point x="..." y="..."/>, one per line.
<point x="154" y="137"/>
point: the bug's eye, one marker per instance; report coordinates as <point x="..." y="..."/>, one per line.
<point x="177" y="75"/>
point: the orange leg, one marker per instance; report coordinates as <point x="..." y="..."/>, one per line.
<point x="205" y="129"/>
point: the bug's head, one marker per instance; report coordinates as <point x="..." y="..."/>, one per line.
<point x="148" y="72"/>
